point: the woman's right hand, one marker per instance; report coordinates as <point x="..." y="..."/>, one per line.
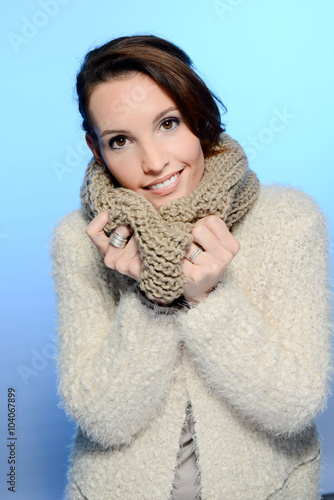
<point x="127" y="260"/>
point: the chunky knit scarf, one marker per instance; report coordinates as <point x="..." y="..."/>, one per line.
<point x="228" y="189"/>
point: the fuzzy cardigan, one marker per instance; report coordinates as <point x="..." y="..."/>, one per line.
<point x="253" y="359"/>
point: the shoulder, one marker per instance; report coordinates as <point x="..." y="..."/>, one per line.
<point x="73" y="225"/>
<point x="277" y="201"/>
<point x="286" y="199"/>
<point x="284" y="224"/>
<point x="283" y="210"/>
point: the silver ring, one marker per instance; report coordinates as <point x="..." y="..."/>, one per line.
<point x="118" y="240"/>
<point x="194" y="254"/>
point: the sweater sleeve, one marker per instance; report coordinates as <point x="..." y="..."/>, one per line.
<point x="261" y="340"/>
<point x="116" y="356"/>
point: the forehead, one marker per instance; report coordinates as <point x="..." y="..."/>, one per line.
<point x="126" y="97"/>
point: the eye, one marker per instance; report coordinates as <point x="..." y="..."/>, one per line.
<point x="118" y="142"/>
<point x="170" y="123"/>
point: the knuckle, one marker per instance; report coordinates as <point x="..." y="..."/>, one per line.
<point x="108" y="261"/>
<point x="226" y="258"/>
<point x="122" y="266"/>
<point x="237" y="246"/>
<point x="134" y="269"/>
<point x="214" y="268"/>
<point x="89" y="231"/>
<point x="213" y="219"/>
<point x="196" y="276"/>
<point x="123" y="230"/>
<point x="215" y="222"/>
<point x="198" y="231"/>
<point x="200" y="222"/>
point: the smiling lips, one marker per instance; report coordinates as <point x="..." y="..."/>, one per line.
<point x="167" y="185"/>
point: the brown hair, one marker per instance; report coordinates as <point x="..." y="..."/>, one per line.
<point x="170" y="67"/>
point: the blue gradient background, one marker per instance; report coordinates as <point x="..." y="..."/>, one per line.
<point x="261" y="57"/>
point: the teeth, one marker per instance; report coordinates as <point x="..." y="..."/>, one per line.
<point x="166" y="183"/>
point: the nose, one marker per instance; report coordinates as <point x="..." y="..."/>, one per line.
<point x="154" y="157"/>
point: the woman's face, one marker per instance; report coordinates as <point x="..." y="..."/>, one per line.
<point x="143" y="139"/>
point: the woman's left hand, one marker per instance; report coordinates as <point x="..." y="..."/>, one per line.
<point x="219" y="249"/>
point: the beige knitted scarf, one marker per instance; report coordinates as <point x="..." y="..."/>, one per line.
<point x="228" y="189"/>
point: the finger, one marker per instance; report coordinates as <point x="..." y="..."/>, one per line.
<point x="114" y="254"/>
<point x="205" y="238"/>
<point x="213" y="235"/>
<point x="131" y="250"/>
<point x="123" y="230"/>
<point x="125" y="261"/>
<point x="193" y="254"/>
<point x="129" y="266"/>
<point x="95" y="231"/>
<point x="218" y="227"/>
<point x="97" y="224"/>
<point x="120" y="237"/>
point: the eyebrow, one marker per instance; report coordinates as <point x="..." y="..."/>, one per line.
<point x="126" y="132"/>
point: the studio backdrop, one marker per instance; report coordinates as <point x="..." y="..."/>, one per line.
<point x="271" y="64"/>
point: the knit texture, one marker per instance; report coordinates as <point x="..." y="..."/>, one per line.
<point x="252" y="358"/>
<point x="228" y="189"/>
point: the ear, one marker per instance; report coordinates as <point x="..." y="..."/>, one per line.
<point x="94" y="147"/>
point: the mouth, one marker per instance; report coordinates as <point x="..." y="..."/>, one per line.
<point x="167" y="185"/>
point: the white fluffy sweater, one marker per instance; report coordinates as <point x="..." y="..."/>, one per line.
<point x="253" y="359"/>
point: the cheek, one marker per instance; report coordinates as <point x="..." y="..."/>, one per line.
<point x="190" y="148"/>
<point x="196" y="159"/>
<point x="121" y="172"/>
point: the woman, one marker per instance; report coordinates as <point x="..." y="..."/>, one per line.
<point x="194" y="323"/>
